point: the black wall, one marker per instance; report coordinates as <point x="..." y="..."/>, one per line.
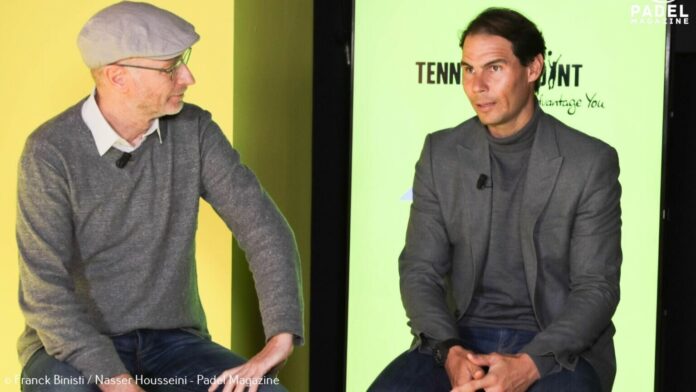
<point x="676" y="319"/>
<point x="333" y="29"/>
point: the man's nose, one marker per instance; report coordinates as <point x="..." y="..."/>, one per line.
<point x="478" y="82"/>
<point x="184" y="76"/>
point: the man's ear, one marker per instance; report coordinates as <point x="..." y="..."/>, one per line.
<point x="535" y="68"/>
<point x="116" y="77"/>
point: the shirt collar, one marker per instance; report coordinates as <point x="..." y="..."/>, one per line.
<point x="104" y="136"/>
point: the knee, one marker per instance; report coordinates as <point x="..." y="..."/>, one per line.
<point x="43" y="373"/>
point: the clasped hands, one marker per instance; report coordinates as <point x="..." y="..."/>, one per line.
<point x="506" y="372"/>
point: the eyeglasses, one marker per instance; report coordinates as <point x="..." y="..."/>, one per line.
<point x="181" y="60"/>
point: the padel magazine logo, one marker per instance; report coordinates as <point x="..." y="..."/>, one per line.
<point x="660" y="12"/>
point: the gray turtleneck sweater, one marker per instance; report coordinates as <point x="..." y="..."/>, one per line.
<point x="501" y="299"/>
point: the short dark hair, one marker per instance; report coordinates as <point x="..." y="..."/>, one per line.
<point x="527" y="41"/>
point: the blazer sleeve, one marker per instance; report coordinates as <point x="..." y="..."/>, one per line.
<point x="594" y="264"/>
<point x="426" y="258"/>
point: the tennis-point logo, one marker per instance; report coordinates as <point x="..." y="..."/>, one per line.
<point x="660" y="12"/>
<point x="563" y="86"/>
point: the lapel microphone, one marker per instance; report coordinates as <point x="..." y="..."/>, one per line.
<point x="481" y="182"/>
<point x="123" y="160"/>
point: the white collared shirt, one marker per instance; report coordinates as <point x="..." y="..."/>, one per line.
<point x="104" y="136"/>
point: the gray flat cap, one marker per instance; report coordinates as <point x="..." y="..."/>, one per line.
<point x="129" y="29"/>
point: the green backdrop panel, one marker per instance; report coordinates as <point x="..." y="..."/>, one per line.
<point x="607" y="81"/>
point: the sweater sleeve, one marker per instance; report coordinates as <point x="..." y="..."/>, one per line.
<point x="46" y="259"/>
<point x="261" y="230"/>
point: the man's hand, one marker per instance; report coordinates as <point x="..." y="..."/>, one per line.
<point x="506" y="373"/>
<point x="121" y="383"/>
<point x="460" y="369"/>
<point x="277" y="350"/>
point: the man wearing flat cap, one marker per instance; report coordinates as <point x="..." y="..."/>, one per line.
<point x="107" y="209"/>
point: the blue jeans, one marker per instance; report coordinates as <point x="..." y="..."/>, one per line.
<point x="414" y="371"/>
<point x="163" y="360"/>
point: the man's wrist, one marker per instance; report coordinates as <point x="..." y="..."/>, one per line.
<point x="533" y="370"/>
<point x="441" y="349"/>
<point x="545" y="364"/>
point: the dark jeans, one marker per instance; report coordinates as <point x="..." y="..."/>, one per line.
<point x="164" y="360"/>
<point x="414" y="371"/>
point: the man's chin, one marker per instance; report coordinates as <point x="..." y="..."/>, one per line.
<point x="174" y="109"/>
<point x="484" y="118"/>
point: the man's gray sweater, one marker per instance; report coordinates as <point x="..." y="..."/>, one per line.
<point x="105" y="250"/>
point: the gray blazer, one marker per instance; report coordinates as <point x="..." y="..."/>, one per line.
<point x="570" y="227"/>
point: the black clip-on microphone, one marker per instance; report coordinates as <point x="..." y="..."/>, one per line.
<point x="481" y="182"/>
<point x="123" y="160"/>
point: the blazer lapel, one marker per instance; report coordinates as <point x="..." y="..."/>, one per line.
<point x="542" y="171"/>
<point x="475" y="160"/>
